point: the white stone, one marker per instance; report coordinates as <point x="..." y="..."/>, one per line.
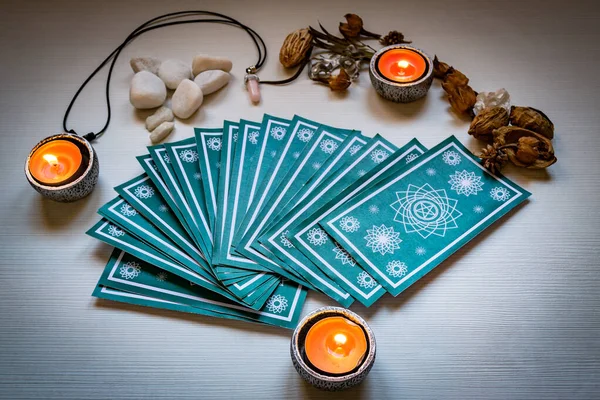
<point x="147" y="90"/>
<point x="211" y="81"/>
<point x="499" y="98"/>
<point x="161" y="131"/>
<point x="163" y="114"/>
<point x="203" y="62"/>
<point x="149" y="64"/>
<point x="186" y="99"/>
<point x="172" y="72"/>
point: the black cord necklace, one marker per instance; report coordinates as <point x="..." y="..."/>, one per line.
<point x="161" y="22"/>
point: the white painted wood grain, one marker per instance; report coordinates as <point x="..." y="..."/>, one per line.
<point x="513" y="315"/>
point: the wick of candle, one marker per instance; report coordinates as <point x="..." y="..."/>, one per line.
<point x="51" y="159"/>
<point x="403" y="64"/>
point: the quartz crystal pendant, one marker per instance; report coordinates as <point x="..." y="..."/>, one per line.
<point x="251" y="80"/>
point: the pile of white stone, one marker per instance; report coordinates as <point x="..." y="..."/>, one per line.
<point x="153" y="77"/>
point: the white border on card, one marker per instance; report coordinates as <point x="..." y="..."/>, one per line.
<point x="420" y="162"/>
<point x="211" y="185"/>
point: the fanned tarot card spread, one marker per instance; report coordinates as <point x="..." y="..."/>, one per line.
<point x="126" y="274"/>
<point x="425" y="212"/>
<point x="210" y="143"/>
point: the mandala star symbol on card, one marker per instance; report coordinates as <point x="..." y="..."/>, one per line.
<point x="328" y="146"/>
<point x="396" y="269"/>
<point x="465" y="182"/>
<point x="451" y="157"/>
<point x="317" y="237"/>
<point x="166" y="158"/>
<point x="342" y="255"/>
<point x="500" y="193"/>
<point x="378" y="156"/>
<point x="278" y="132"/>
<point x="115" y="231"/>
<point x="355" y="149"/>
<point x="163" y="208"/>
<point x="188" y="155"/>
<point x="420" y="251"/>
<point x="283" y="238"/>
<point x="305" y="134"/>
<point x="128" y="211"/>
<point x="253" y="137"/>
<point x="430" y="171"/>
<point x="143" y="192"/>
<point x="162" y="276"/>
<point x="426" y="210"/>
<point x="478" y="209"/>
<point x="214" y="143"/>
<point x="411" y="157"/>
<point x="277" y="304"/>
<point x="130" y="270"/>
<point x="373" y="209"/>
<point x="382" y="239"/>
<point x="365" y="280"/>
<point x="197" y="176"/>
<point x="349" y="224"/>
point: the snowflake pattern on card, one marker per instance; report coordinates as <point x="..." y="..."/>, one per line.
<point x="361" y="172"/>
<point x="188" y="155"/>
<point x="162" y="276"/>
<point x="431" y="171"/>
<point x="365" y="280"/>
<point x="166" y="158"/>
<point x="316" y="165"/>
<point x="277" y="304"/>
<point x="130" y="270"/>
<point x="451" y="157"/>
<point x="478" y="209"/>
<point x="500" y="193"/>
<point x="253" y="137"/>
<point x="296" y="154"/>
<point x="396" y="269"/>
<point x="283" y="238"/>
<point x="278" y="132"/>
<point x="378" y="156"/>
<point x="342" y="255"/>
<point x="355" y="149"/>
<point x="328" y="146"/>
<point x="305" y="134"/>
<point x="349" y="224"/>
<point x="214" y="143"/>
<point x="163" y="208"/>
<point x="115" y="231"/>
<point x="143" y="192"/>
<point x="235" y="136"/>
<point x="425" y="210"/>
<point x="411" y="157"/>
<point x="465" y="182"/>
<point x="317" y="237"/>
<point x="197" y="176"/>
<point x="273" y="153"/>
<point x="382" y="239"/>
<point x="128" y="211"/>
<point x="420" y="251"/>
<point x="374" y="209"/>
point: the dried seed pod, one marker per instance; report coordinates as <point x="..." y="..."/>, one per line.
<point x="440" y="69"/>
<point x="483" y="125"/>
<point x="456" y="77"/>
<point x="394" y="37"/>
<point x="462" y="98"/>
<point x="295" y="47"/>
<point x="525" y="148"/>
<point x="353" y="26"/>
<point x="493" y="158"/>
<point x="340" y="82"/>
<point x="532" y="119"/>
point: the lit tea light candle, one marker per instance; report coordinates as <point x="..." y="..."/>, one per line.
<point x="333" y="348"/>
<point x="402" y="65"/>
<point x="63" y="167"/>
<point x="55" y="162"/>
<point x="335" y="345"/>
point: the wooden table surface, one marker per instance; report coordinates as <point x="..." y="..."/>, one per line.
<point x="512" y="315"/>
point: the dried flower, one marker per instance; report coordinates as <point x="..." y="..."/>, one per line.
<point x="525" y="148"/>
<point x="339" y="82"/>
<point x="295" y="47"/>
<point x="440" y="69"/>
<point x="353" y="28"/>
<point x="483" y="125"/>
<point x="394" y="37"/>
<point x="532" y="119"/>
<point x="462" y="97"/>
<point x="493" y="158"/>
<point x="456" y="77"/>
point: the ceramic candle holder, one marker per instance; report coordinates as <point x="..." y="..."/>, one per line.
<point x="81" y="184"/>
<point x="397" y="91"/>
<point x="318" y="378"/>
